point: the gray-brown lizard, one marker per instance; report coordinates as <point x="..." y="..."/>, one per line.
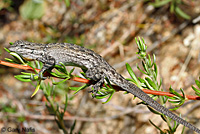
<point x="97" y="69"/>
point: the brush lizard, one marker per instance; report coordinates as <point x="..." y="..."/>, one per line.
<point x="97" y="69"/>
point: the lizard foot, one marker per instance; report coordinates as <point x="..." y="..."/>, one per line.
<point x="97" y="77"/>
<point x="96" y="87"/>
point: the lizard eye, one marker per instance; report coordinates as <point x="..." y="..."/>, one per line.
<point x="19" y="43"/>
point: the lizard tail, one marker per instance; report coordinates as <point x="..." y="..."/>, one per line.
<point x="133" y="89"/>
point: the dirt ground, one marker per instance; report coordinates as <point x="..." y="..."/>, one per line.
<point x="109" y="28"/>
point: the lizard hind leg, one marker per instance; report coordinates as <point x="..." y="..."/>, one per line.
<point x="97" y="77"/>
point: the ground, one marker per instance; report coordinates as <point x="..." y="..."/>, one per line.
<point x="109" y="28"/>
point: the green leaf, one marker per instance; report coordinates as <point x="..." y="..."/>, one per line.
<point x="177" y="99"/>
<point x="71" y="71"/>
<point x="38" y="64"/>
<point x="18" y="57"/>
<point x="62" y="113"/>
<point x="36" y="89"/>
<point x="141" y="70"/>
<point x="7" y="50"/>
<point x="153" y="111"/>
<point x="74" y="88"/>
<point x="145" y="67"/>
<point x="160" y="3"/>
<point x="148" y="85"/>
<point x="137" y="42"/>
<point x="107" y="87"/>
<point x="160" y="84"/>
<point x="58" y="123"/>
<point x="183" y="129"/>
<point x="9" y="60"/>
<point x="163" y="117"/>
<point x="101" y="96"/>
<point x="78" y="88"/>
<point x="183" y="94"/>
<point x="197" y="83"/>
<point x="56" y="83"/>
<point x="24" y="78"/>
<point x="161" y="132"/>
<point x="151" y="83"/>
<point x="155" y="69"/>
<point x="67" y="2"/>
<point x="130" y="80"/>
<point x="132" y="74"/>
<point x="109" y="98"/>
<point x="181" y="13"/>
<point x="32" y="9"/>
<point x="64" y="68"/>
<point x="197" y="92"/>
<point x="175" y="126"/>
<point x="72" y="127"/>
<point x="11" y="43"/>
<point x="176" y="93"/>
<point x="141" y="80"/>
<point x="66" y="102"/>
<point x="172" y="7"/>
<point x="107" y="80"/>
<point x="149" y="62"/>
<point x="29" y="64"/>
<point x="47" y="88"/>
<point x="59" y="75"/>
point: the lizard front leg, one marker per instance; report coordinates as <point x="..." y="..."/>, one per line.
<point x="97" y="76"/>
<point x="48" y="64"/>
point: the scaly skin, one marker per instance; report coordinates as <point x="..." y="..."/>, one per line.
<point x="97" y="69"/>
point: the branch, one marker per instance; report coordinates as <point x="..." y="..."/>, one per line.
<point x="82" y="80"/>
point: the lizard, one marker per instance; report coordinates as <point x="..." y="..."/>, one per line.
<point x="96" y="68"/>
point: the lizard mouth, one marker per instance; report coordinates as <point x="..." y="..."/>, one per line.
<point x="11" y="49"/>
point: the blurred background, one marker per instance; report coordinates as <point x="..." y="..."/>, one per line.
<point x="170" y="28"/>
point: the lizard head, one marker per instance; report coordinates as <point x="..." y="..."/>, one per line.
<point x="27" y="50"/>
